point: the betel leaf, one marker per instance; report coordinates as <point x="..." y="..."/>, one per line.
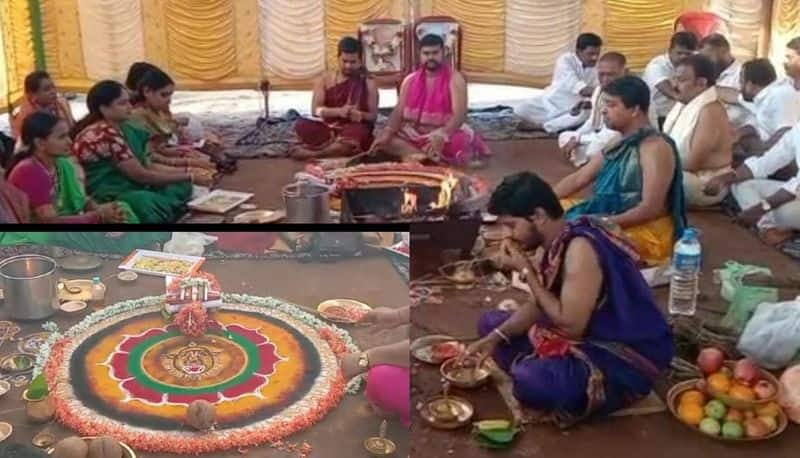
<point x="486" y="443"/>
<point x="502" y="436"/>
<point x="38" y="388"/>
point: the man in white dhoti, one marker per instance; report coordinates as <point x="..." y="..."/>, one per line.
<point x="729" y="80"/>
<point x="659" y="72"/>
<point x="771" y="205"/>
<point x="776" y="109"/>
<point x="594" y="136"/>
<point x="698" y="124"/>
<point x="559" y="107"/>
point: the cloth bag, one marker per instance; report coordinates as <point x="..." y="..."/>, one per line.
<point x="188" y="243"/>
<point x="743" y="299"/>
<point x="772" y="336"/>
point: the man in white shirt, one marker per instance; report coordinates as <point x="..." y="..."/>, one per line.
<point x="574" y="80"/>
<point x="776" y="108"/>
<point x="771" y="205"/>
<point x="659" y="73"/>
<point x="729" y="80"/>
<point x="593" y="136"/>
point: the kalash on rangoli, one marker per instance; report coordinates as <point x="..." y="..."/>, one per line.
<point x="263" y="368"/>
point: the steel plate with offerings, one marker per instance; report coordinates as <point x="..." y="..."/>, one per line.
<point x="161" y="264"/>
<point x="219" y="201"/>
<point x="436" y="348"/>
<point x="345" y="311"/>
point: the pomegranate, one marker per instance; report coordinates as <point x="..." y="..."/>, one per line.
<point x="764" y="389"/>
<point x="746" y="371"/>
<point x="754" y="427"/>
<point x="710" y="360"/>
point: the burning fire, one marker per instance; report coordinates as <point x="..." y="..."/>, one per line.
<point x="409" y="206"/>
<point x="446" y="192"/>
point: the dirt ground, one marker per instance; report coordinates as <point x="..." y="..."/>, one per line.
<point x="656" y="435"/>
<point x="370" y="279"/>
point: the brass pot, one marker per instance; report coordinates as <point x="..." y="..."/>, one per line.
<point x="39" y="410"/>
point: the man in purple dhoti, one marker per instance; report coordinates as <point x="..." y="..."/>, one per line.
<point x="591" y="339"/>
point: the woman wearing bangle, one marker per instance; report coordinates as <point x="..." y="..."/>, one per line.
<point x="387" y="367"/>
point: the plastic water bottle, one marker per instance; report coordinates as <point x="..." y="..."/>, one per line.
<point x="98" y="294"/>
<point x="684" y="282"/>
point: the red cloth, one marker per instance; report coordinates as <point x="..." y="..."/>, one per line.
<point x="701" y="23"/>
<point x="318" y="135"/>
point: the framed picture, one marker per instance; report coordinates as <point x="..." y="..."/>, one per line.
<point x="384" y="42"/>
<point x="447" y="28"/>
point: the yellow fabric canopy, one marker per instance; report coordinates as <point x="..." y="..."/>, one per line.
<point x="218" y="44"/>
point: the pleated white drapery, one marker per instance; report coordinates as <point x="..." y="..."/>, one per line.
<point x="537" y="32"/>
<point x="112" y="35"/>
<point x="292" y="38"/>
<point x="3" y="72"/>
<point x="744" y="19"/>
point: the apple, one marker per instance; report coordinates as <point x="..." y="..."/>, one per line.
<point x="710" y="360"/>
<point x="746" y="371"/>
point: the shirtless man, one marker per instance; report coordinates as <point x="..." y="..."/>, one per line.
<point x="429" y="121"/>
<point x="345" y="103"/>
<point x="659" y="73"/>
<point x="698" y="123"/>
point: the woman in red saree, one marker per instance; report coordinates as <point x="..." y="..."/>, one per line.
<point x="345" y="106"/>
<point x="41" y="95"/>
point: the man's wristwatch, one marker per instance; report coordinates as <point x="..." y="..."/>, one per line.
<point x="363" y="361"/>
<point x="766" y="206"/>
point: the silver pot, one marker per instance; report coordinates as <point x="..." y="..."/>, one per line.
<point x="307" y="203"/>
<point x="30" y="286"/>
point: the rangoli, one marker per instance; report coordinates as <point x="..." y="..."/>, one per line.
<point x="269" y="368"/>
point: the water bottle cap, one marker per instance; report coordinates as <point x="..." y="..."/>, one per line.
<point x="96" y="279"/>
<point x="690" y="233"/>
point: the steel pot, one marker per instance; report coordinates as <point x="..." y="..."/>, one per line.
<point x="30" y="286"/>
<point x="307" y="203"/>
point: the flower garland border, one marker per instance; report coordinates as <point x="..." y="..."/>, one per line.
<point x="50" y="357"/>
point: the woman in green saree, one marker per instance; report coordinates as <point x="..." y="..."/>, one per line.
<point x="114" y="155"/>
<point x="45" y="172"/>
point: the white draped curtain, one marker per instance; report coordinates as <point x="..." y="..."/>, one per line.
<point x="745" y="19"/>
<point x="112" y="36"/>
<point x="292" y="38"/>
<point x="537" y="32"/>
<point x="3" y="72"/>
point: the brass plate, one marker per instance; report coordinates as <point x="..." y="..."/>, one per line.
<point x="43" y="440"/>
<point x="379" y="446"/>
<point x="5" y="430"/>
<point x="127" y="276"/>
<point x="73" y="306"/>
<point x="436" y="413"/>
<point x="17" y="363"/>
<point x="467" y="376"/>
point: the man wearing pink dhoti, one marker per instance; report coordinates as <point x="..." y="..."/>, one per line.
<point x="428" y="122"/>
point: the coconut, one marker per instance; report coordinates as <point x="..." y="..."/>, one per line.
<point x="105" y="447"/>
<point x="71" y="447"/>
<point x="201" y="415"/>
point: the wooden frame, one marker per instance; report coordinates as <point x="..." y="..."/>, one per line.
<point x="393" y="42"/>
<point x="455" y="56"/>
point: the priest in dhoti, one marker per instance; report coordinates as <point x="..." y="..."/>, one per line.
<point x="344" y="108"/>
<point x="560" y="106"/>
<point x="698" y="124"/>
<point x="593" y="136"/>
<point x="429" y="121"/>
<point x="729" y="77"/>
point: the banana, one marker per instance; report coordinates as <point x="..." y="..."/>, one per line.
<point x="488" y="425"/>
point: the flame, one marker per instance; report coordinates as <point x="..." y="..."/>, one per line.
<point x="409" y="206"/>
<point x="448" y="185"/>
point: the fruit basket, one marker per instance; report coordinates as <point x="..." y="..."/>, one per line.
<point x="740" y="399"/>
<point x="714" y="419"/>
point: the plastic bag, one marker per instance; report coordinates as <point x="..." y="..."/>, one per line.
<point x="743" y="299"/>
<point x="772" y="336"/>
<point x="188" y="243"/>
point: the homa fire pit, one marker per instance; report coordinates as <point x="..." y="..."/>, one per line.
<point x="407" y="193"/>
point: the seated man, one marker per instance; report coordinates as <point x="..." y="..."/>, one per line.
<point x="590" y="340"/>
<point x="559" y="107"/>
<point x="659" y="73"/>
<point x="637" y="183"/>
<point x="593" y="136"/>
<point x="729" y="80"/>
<point x="347" y="103"/>
<point x="698" y="124"/>
<point x="770" y="205"/>
<point x="429" y="121"/>
<point x="775" y="105"/>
